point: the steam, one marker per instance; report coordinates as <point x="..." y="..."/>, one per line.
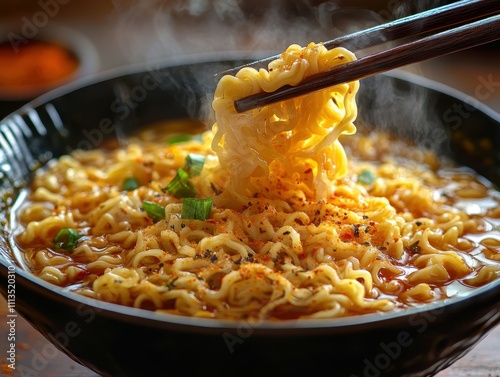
<point x="158" y="29"/>
<point x="154" y="30"/>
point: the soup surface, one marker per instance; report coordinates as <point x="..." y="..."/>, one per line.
<point x="280" y="213"/>
<point x="396" y="233"/>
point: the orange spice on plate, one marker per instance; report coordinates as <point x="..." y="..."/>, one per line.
<point x="35" y="65"/>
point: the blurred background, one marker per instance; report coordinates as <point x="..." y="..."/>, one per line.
<point x="105" y="34"/>
<point x="48" y="43"/>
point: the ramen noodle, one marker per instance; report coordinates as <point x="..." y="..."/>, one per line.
<point x="301" y="218"/>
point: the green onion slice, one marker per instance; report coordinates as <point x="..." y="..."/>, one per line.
<point x="367" y="177"/>
<point x="194" y="164"/>
<point x="66" y="238"/>
<point x="154" y="210"/>
<point x="130" y="184"/>
<point x="181" y="186"/>
<point x="196" y="209"/>
<point x="178" y="138"/>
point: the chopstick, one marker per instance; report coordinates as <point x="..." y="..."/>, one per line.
<point x="436" y="19"/>
<point x="447" y="42"/>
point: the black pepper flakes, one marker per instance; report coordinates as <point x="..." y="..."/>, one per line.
<point x="414" y="248"/>
<point x="355" y="228"/>
<point x="215" y="189"/>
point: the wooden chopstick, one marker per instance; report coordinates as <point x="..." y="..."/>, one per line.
<point x="447" y="42"/>
<point x="433" y="20"/>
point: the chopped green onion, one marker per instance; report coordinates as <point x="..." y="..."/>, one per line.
<point x="171" y="283"/>
<point x="194" y="164"/>
<point x="130" y="184"/>
<point x="197" y="209"/>
<point x="66" y="238"/>
<point x="181" y="186"/>
<point x="178" y="138"/>
<point x="367" y="177"/>
<point x="154" y="210"/>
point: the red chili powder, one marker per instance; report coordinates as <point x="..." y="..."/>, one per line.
<point x="34" y="64"/>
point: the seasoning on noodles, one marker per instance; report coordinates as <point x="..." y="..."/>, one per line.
<point x="276" y="222"/>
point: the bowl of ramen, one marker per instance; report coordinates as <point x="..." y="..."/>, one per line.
<point x="150" y="228"/>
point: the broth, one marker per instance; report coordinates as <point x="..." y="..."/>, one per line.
<point x="432" y="234"/>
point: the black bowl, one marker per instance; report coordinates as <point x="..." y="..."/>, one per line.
<point x="119" y="341"/>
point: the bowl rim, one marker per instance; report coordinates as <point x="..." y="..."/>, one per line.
<point x="96" y="77"/>
<point x="158" y="319"/>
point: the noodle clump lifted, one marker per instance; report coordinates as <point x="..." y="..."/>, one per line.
<point x="294" y="228"/>
<point x="288" y="150"/>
